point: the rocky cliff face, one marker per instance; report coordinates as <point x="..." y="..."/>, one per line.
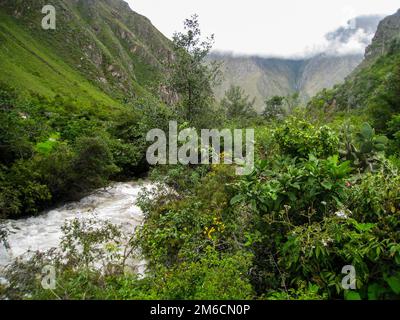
<point x="387" y="34"/>
<point x="324" y="71"/>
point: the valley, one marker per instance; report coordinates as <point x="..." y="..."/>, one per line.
<point x="86" y="189"/>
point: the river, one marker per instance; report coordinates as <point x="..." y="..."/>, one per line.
<point x="116" y="203"/>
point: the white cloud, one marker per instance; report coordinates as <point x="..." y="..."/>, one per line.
<point x="355" y="45"/>
<point x="351" y="38"/>
<point x="267" y="27"/>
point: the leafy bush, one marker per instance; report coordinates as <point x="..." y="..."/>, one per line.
<point x="274" y="108"/>
<point x="93" y="165"/>
<point x="367" y="149"/>
<point x="308" y="224"/>
<point x="180" y="224"/>
<point x="303" y="187"/>
<point x="26" y="194"/>
<point x="299" y="138"/>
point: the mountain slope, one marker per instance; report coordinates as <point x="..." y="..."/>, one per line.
<point x="258" y="77"/>
<point x="101" y="45"/>
<point x="266" y="77"/>
<point x="372" y="91"/>
<point x="325" y="71"/>
<point x="76" y="103"/>
<point x="27" y="65"/>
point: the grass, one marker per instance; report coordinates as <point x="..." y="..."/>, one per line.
<point x="28" y="65"/>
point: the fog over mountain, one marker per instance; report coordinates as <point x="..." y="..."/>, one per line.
<point x="317" y="68"/>
<point x="354" y="37"/>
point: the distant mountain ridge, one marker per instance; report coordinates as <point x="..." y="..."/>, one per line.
<point x="266" y="77"/>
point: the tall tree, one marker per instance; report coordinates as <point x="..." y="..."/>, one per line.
<point x="237" y="104"/>
<point x="191" y="77"/>
<point x="274" y="107"/>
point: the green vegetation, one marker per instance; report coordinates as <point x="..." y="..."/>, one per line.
<point x="277" y="107"/>
<point x="27" y="65"/>
<point x="73" y="115"/>
<point x="283" y="232"/>
<point x="53" y="150"/>
<point x="324" y="193"/>
<point x="93" y="55"/>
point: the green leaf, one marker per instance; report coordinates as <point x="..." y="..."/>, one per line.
<point x="397" y="258"/>
<point x="292" y="197"/>
<point x="381" y="140"/>
<point x="394" y="283"/>
<point x="364" y="226"/>
<point x="380" y="147"/>
<point x="352" y="295"/>
<point x="296" y="185"/>
<point x="236" y="199"/>
<point x="367" y="131"/>
<point x="327" y="185"/>
<point x="375" y="291"/>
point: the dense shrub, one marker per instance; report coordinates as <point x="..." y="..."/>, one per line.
<point x="299" y="138"/>
<point x="311" y="218"/>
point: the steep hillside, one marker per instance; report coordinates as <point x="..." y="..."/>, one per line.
<point x="76" y="102"/>
<point x="99" y="47"/>
<point x="324" y="71"/>
<point x="373" y="89"/>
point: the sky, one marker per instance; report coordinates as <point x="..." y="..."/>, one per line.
<point x="263" y="27"/>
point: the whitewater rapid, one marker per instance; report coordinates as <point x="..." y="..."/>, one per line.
<point x="116" y="204"/>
